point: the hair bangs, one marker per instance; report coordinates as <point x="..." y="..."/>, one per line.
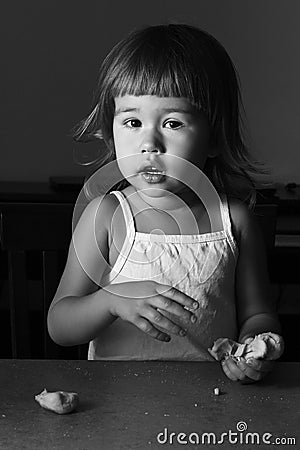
<point x="161" y="75"/>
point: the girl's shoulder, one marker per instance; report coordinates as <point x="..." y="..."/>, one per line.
<point x="106" y="205"/>
<point x="108" y="218"/>
<point x="101" y="212"/>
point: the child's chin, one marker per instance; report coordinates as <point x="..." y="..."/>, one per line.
<point x="154" y="191"/>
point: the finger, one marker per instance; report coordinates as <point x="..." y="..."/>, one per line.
<point x="249" y="371"/>
<point x="149" y="329"/>
<point x="230" y="371"/>
<point x="166" y="304"/>
<point x="227" y="371"/>
<point x="177" y="296"/>
<point x="156" y="318"/>
<point x="234" y="369"/>
<point x="261" y="365"/>
<point x="255" y="369"/>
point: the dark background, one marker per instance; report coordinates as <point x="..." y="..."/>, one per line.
<point x="52" y="50"/>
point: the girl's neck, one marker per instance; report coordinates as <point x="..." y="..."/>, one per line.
<point x="170" y="214"/>
<point x="170" y="201"/>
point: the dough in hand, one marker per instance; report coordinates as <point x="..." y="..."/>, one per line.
<point x="60" y="402"/>
<point x="222" y="348"/>
<point x="274" y="346"/>
<point x="267" y="346"/>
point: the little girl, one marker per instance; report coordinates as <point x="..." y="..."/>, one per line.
<point x="157" y="268"/>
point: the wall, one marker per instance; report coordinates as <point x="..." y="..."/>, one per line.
<point x="53" y="50"/>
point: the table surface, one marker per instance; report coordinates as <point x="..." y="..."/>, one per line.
<point x="138" y="405"/>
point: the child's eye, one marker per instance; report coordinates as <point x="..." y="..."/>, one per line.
<point x="173" y="124"/>
<point x="133" y="123"/>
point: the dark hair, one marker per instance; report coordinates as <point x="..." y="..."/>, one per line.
<point x="178" y="60"/>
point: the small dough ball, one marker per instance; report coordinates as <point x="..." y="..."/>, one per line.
<point x="60" y="402"/>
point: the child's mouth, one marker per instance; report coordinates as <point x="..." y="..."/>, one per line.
<point x="153" y="176"/>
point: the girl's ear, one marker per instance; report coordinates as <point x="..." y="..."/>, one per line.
<point x="213" y="146"/>
<point x="213" y="152"/>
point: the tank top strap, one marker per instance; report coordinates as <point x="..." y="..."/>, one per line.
<point x="227" y="223"/>
<point x="128" y="217"/>
<point x="130" y="235"/>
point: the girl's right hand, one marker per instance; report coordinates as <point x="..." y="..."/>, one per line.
<point x="143" y="304"/>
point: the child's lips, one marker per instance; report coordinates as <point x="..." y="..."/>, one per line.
<point x="152" y="169"/>
<point x="153" y="177"/>
<point x="152" y="172"/>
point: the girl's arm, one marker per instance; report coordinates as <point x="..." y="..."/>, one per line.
<point x="255" y="307"/>
<point x="80" y="309"/>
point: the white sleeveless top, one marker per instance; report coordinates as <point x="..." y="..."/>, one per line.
<point x="200" y="265"/>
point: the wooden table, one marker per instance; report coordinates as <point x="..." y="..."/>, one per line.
<point x="126" y="405"/>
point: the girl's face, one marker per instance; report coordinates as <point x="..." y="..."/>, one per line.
<point x="150" y="132"/>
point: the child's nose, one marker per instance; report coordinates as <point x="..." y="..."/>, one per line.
<point x="149" y="149"/>
<point x="151" y="142"/>
<point x="151" y="145"/>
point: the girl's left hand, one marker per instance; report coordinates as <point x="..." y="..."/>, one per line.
<point x="248" y="371"/>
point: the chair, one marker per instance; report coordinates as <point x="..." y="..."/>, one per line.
<point x="43" y="230"/>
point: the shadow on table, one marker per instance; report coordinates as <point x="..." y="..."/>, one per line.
<point x="282" y="376"/>
<point x="84" y="406"/>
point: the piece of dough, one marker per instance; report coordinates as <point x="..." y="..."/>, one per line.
<point x="60" y="402"/>
<point x="267" y="346"/>
<point x="222" y="348"/>
<point x="274" y="343"/>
